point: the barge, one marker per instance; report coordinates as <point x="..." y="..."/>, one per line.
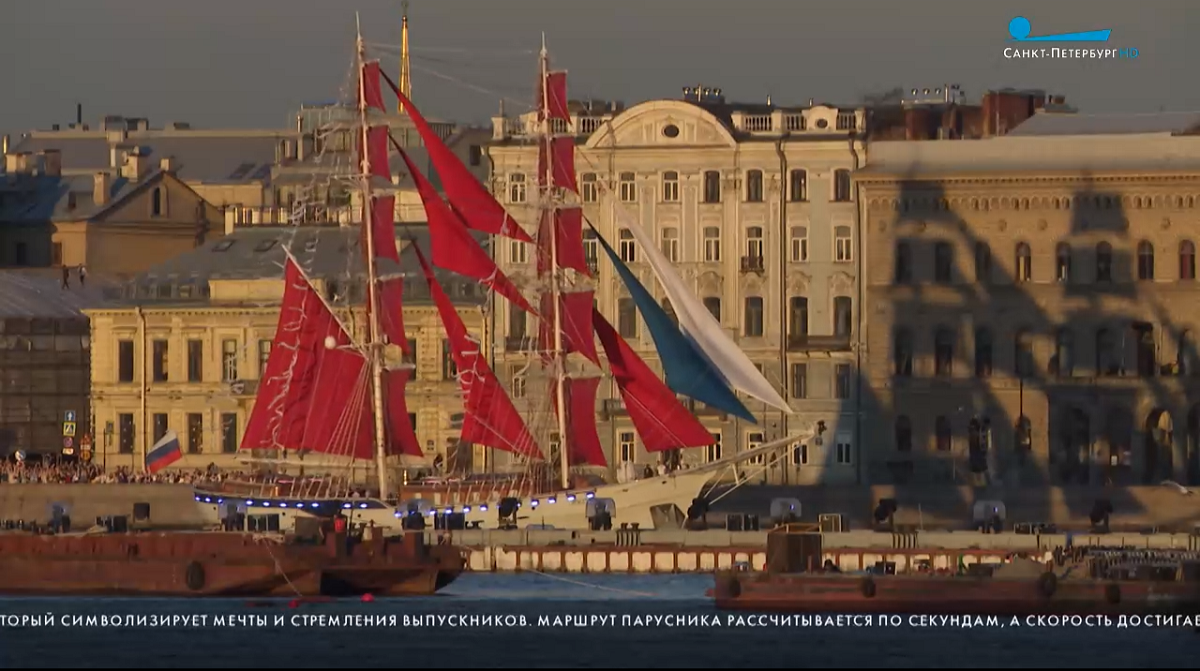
<point x="1079" y="581"/>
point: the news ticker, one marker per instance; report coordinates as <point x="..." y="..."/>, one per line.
<point x="606" y="620"/>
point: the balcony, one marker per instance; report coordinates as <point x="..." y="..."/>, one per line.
<point x="517" y="343"/>
<point x="242" y="388"/>
<point x="753" y="264"/>
<point x="614" y="407"/>
<point x="814" y="343"/>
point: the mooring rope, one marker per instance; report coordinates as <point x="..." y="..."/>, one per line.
<point x="593" y="585"/>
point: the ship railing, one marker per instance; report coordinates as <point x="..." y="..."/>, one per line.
<point x="797" y="528"/>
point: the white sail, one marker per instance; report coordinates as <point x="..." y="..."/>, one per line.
<point x="697" y="324"/>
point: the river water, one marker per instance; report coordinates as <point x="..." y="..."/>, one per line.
<point x="669" y="624"/>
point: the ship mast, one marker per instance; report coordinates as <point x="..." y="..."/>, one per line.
<point x="559" y="357"/>
<point x="374" y="348"/>
<point x="405" y="72"/>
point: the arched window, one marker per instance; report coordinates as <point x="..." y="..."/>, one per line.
<point x="1145" y="261"/>
<point x="943" y="262"/>
<point x="156" y="204"/>
<point x="941" y="428"/>
<point x="1064" y="353"/>
<point x="983" y="262"/>
<point x="903" y="270"/>
<point x="1023" y="354"/>
<point x="1187" y="260"/>
<point x="1024" y="262"/>
<point x="1062" y="262"/>
<point x="903" y="434"/>
<point x="983" y="352"/>
<point x="902" y="352"/>
<point x="1106" y="353"/>
<point x="1104" y="259"/>
<point x="943" y="352"/>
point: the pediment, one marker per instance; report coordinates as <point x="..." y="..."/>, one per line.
<point x="663" y="123"/>
<point x="798" y="283"/>
<point x="841" y="282"/>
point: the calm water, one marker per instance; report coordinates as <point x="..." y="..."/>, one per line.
<point x="532" y="595"/>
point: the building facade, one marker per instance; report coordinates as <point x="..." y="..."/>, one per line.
<point x="753" y="203"/>
<point x="1030" y="309"/>
<point x="186" y="348"/>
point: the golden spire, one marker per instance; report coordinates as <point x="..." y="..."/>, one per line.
<point x="405" y="70"/>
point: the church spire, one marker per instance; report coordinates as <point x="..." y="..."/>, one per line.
<point x="405" y="68"/>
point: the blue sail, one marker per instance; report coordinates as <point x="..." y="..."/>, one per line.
<point x="688" y="371"/>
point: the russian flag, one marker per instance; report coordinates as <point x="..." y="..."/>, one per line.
<point x="164" y="453"/>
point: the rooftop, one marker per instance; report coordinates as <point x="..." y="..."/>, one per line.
<point x="1175" y="123"/>
<point x="38" y="294"/>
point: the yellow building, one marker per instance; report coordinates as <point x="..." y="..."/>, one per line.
<point x="186" y="349"/>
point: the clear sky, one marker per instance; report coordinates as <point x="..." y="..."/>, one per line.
<point x="249" y="63"/>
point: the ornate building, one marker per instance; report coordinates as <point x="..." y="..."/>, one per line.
<point x="754" y="204"/>
<point x="1031" y="306"/>
<point x="185" y="349"/>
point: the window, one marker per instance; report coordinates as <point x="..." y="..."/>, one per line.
<point x="670" y="187"/>
<point x="229" y="432"/>
<point x="798" y="317"/>
<point x="983" y="352"/>
<point x="626" y="245"/>
<point x="1023" y="354"/>
<point x="712" y="186"/>
<point x="754" y="186"/>
<point x="449" y="369"/>
<point x="1062" y="262"/>
<point x="941" y="428"/>
<point x="195" y="350"/>
<point x="943" y="352"/>
<point x="518" y="386"/>
<point x="517" y="192"/>
<point x="713" y="452"/>
<point x="264" y="355"/>
<point x="903" y="434"/>
<point x="799" y="243"/>
<point x="670" y="243"/>
<point x="1024" y="262"/>
<point x="943" y="262"/>
<point x="125" y="435"/>
<point x="410" y="357"/>
<point x="627" y="446"/>
<point x="903" y="270"/>
<point x="842" y="251"/>
<point x="713" y="303"/>
<point x="845" y="450"/>
<point x="516" y="321"/>
<point x="161" y="362"/>
<point x="1104" y="262"/>
<point x="591" y="250"/>
<point x="628" y="188"/>
<point x="517" y="252"/>
<point x="589" y="190"/>
<point x="1145" y="254"/>
<point x="841" y="381"/>
<point x="841" y="185"/>
<point x="754" y="317"/>
<point x="800" y="454"/>
<point x="842" y="318"/>
<point x="798" y="183"/>
<point x="1106" y="354"/>
<point x="902" y="352"/>
<point x="195" y="433"/>
<point x="1064" y="353"/>
<point x="160" y="426"/>
<point x="712" y="244"/>
<point x="229" y="360"/>
<point x="754" y="440"/>
<point x="983" y="263"/>
<point x="156" y="202"/>
<point x="626" y="318"/>
<point x="799" y="380"/>
<point x="56" y="253"/>
<point x="754" y="242"/>
<point x="125" y="361"/>
<point x="1187" y="260"/>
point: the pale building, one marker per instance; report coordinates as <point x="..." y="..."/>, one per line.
<point x="1031" y="304"/>
<point x="186" y="350"/>
<point x="754" y="204"/>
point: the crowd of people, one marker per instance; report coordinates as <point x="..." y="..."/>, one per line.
<point x="81" y="473"/>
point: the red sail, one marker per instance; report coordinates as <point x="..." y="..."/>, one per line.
<point x="563" y="154"/>
<point x="391" y="309"/>
<point x="556" y="96"/>
<point x="568" y="238"/>
<point x="401" y="433"/>
<point x="382" y="209"/>
<point x="490" y="419"/>
<point x="454" y="248"/>
<point x="471" y="199"/>
<point x="661" y="421"/>
<point x="372" y="90"/>
<point x="582" y="439"/>
<point x="575" y="315"/>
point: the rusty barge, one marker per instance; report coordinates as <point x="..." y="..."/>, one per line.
<point x="1080" y="581"/>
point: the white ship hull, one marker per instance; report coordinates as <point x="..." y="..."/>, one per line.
<point x="631" y="503"/>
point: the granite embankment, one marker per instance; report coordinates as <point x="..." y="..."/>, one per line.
<point x="170" y="505"/>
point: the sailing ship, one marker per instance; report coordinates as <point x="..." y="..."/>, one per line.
<point x="328" y="391"/>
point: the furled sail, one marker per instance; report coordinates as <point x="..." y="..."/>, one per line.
<point x="660" y="419"/>
<point x="478" y="208"/>
<point x="721" y="353"/>
<point x="687" y="371"/>
<point x="490" y="419"/>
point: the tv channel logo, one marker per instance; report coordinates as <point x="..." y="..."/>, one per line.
<point x="1083" y="45"/>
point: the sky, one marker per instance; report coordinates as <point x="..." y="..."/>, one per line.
<point x="251" y="63"/>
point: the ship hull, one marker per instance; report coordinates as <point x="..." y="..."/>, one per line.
<point x="634" y="503"/>
<point x="219" y="565"/>
<point x="948" y="595"/>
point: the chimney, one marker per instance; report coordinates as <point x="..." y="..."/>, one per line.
<point x="52" y="162"/>
<point x="100" y="187"/>
<point x="137" y="163"/>
<point x="167" y="164"/>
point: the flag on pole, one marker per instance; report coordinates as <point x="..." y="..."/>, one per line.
<point x="164" y="453"/>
